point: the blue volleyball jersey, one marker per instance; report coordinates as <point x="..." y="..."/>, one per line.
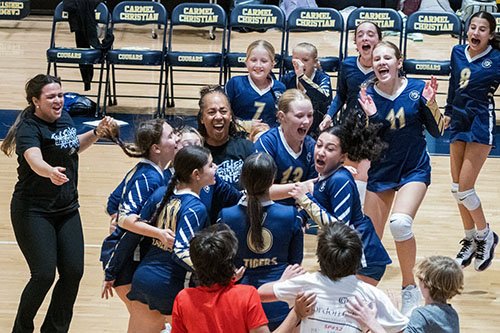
<point x="292" y="167"/>
<point x="318" y="88"/>
<point x="134" y="179"/>
<point x="403" y="116"/>
<point x="351" y="75"/>
<point x="283" y="246"/>
<point x="249" y="102"/>
<point x="214" y="197"/>
<point x="119" y="247"/>
<point x="336" y="197"/>
<point x="161" y="273"/>
<point x="470" y="102"/>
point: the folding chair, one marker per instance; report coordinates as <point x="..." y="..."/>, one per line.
<point x="14" y="10"/>
<point x="254" y="17"/>
<point x="430" y="23"/>
<point x="198" y="16"/>
<point x="71" y="55"/>
<point x="469" y="7"/>
<point x="386" y="18"/>
<point x="138" y="13"/>
<point x="311" y="20"/>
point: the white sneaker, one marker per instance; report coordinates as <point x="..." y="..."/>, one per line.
<point x="485" y="251"/>
<point x="410" y="299"/>
<point x="167" y="329"/>
<point x="466" y="253"/>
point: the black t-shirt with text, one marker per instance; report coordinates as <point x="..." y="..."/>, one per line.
<point x="59" y="145"/>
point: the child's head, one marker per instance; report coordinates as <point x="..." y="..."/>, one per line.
<point x="189" y="136"/>
<point x="212" y="252"/>
<point x="260" y="60"/>
<point x="339" y="251"/>
<point x="257" y="131"/>
<point x="308" y="54"/>
<point x="441" y="276"/>
<point x="257" y="176"/>
<point x="295" y="113"/>
<point x="366" y="35"/>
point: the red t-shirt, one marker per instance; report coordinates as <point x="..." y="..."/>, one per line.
<point x="233" y="308"/>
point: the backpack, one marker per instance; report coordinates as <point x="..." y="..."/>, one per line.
<point x="288" y="6"/>
<point x="409" y="6"/>
<point x="78" y="105"/>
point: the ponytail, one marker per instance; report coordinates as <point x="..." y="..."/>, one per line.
<point x="255" y="218"/>
<point x="257" y="176"/>
<point x="9" y="143"/>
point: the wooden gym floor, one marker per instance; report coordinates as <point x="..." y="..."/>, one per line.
<point x="437" y="225"/>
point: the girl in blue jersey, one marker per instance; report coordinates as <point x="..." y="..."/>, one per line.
<point x="353" y="72"/>
<point x="155" y="144"/>
<point x="308" y="77"/>
<point x="254" y="96"/>
<point x="404" y="107"/>
<point x="289" y="145"/>
<point x="162" y="271"/>
<point x="269" y="234"/>
<point x="470" y="111"/>
<point x="335" y="196"/>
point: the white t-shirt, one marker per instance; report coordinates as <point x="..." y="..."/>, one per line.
<point x="331" y="298"/>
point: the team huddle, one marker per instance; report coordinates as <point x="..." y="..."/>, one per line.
<point x="207" y="230"/>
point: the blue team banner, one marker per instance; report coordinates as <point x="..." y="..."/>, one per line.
<point x="14" y="10"/>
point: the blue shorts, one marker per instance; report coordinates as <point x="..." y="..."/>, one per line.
<point x="375" y="272"/>
<point x="157" y="284"/>
<point x="383" y="179"/>
<point x="479" y="127"/>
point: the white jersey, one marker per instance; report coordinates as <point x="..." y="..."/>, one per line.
<point x="331" y="298"/>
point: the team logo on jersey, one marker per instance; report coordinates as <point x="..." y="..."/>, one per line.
<point x="206" y="189"/>
<point x="343" y="300"/>
<point x="322" y="186"/>
<point x="309" y="157"/>
<point x="486" y="63"/>
<point x="414" y="95"/>
<point x="267" y="238"/>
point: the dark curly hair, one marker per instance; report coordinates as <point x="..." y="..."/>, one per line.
<point x="212" y="252"/>
<point x="359" y="140"/>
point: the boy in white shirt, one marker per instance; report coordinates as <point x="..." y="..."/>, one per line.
<point x="339" y="254"/>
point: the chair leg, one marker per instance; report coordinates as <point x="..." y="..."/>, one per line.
<point x="107" y="91"/>
<point x="172" y="102"/>
<point x="99" y="88"/>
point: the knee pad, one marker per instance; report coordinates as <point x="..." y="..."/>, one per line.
<point x="400" y="225"/>
<point x="469" y="199"/>
<point x="454" y="192"/>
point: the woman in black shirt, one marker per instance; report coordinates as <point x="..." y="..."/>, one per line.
<point x="44" y="206"/>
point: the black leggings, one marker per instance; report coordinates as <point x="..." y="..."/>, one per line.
<point x="48" y="242"/>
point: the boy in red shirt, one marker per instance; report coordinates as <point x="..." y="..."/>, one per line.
<point x="218" y="304"/>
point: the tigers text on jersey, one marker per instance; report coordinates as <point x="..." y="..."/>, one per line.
<point x="283" y="246"/>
